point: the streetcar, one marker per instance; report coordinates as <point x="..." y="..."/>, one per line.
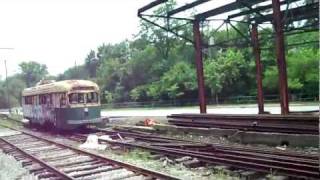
<point x="62" y="105"/>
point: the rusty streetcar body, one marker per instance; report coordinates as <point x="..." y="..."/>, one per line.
<point x="63" y="105"/>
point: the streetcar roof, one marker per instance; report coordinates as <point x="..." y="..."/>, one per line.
<point x="61" y="86"/>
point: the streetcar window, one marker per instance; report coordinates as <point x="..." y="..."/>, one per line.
<point x="62" y="100"/>
<point x="75" y="98"/>
<point x="45" y="99"/>
<point x="81" y="98"/>
<point x="28" y="100"/>
<point x="92" y="97"/>
<point x="42" y="99"/>
<point x="49" y="99"/>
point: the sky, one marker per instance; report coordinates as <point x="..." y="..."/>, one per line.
<point x="60" y="33"/>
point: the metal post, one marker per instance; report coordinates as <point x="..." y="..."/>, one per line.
<point x="280" y="53"/>
<point x="199" y="66"/>
<point x="256" y="52"/>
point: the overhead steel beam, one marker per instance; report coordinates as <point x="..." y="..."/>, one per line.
<point x="297" y="14"/>
<point x="226" y="8"/>
<point x="238" y="31"/>
<point x="280" y="55"/>
<point x="199" y="66"/>
<point x="258" y="9"/>
<point x="150" y="5"/>
<point x="165" y="17"/>
<point x="185" y="7"/>
<point x="167" y="29"/>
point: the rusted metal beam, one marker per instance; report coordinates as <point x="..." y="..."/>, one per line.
<point x="280" y="55"/>
<point x="245" y="36"/>
<point x="226" y="8"/>
<point x="199" y="66"/>
<point x="296" y="14"/>
<point x="258" y="9"/>
<point x="256" y="52"/>
<point x="151" y="5"/>
<point x="166" y="29"/>
<point x="185" y="7"/>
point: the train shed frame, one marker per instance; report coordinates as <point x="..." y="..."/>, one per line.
<point x="255" y="9"/>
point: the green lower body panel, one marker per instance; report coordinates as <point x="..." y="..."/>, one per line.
<point x="69" y="118"/>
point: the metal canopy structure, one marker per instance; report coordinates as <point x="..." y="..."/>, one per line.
<point x="279" y="13"/>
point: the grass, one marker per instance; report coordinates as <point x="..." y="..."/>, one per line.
<point x="144" y="159"/>
<point x="12" y="169"/>
<point x="9" y="122"/>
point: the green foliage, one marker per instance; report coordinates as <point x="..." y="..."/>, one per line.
<point x="302" y="70"/>
<point x="32" y="72"/>
<point x="15" y="86"/>
<point x="78" y="72"/>
<point x="180" y="79"/>
<point x="224" y="70"/>
<point x="91" y="64"/>
<point x="270" y="80"/>
<point x="175" y="83"/>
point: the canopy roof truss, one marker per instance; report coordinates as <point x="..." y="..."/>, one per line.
<point x="281" y="14"/>
<point x="259" y="11"/>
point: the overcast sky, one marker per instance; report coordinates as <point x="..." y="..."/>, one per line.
<point x="59" y="33"/>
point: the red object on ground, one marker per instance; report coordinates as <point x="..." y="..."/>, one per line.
<point x="149" y="122"/>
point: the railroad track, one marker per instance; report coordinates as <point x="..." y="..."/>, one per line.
<point x="48" y="159"/>
<point x="261" y="160"/>
<point x="294" y="124"/>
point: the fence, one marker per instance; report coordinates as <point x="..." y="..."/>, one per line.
<point x="211" y="101"/>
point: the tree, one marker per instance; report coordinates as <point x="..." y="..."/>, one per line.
<point x="302" y="70"/>
<point x="15" y="88"/>
<point x="223" y="71"/>
<point x="32" y="72"/>
<point x="179" y="80"/>
<point x="77" y="72"/>
<point x="91" y="64"/>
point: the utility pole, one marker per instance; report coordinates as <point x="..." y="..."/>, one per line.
<point x="8" y="99"/>
<point x="7" y="88"/>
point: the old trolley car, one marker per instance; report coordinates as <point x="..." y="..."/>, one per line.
<point x="64" y="105"/>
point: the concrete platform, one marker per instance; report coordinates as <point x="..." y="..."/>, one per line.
<point x="245" y="137"/>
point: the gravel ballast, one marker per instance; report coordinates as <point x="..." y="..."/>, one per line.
<point x="12" y="169"/>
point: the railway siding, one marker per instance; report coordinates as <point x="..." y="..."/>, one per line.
<point x="254" y="159"/>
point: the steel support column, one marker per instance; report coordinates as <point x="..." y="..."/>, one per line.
<point x="199" y="66"/>
<point x="256" y="52"/>
<point x="280" y="53"/>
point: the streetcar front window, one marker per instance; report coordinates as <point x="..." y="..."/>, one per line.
<point x="80" y="98"/>
<point x="92" y="97"/>
<point x="76" y="98"/>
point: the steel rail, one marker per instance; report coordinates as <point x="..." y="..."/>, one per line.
<point x="283" y="163"/>
<point x="249" y="127"/>
<point x="233" y="161"/>
<point x="299" y="124"/>
<point x="42" y="163"/>
<point x="130" y="167"/>
<point x="156" y="139"/>
<point x="236" y="150"/>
